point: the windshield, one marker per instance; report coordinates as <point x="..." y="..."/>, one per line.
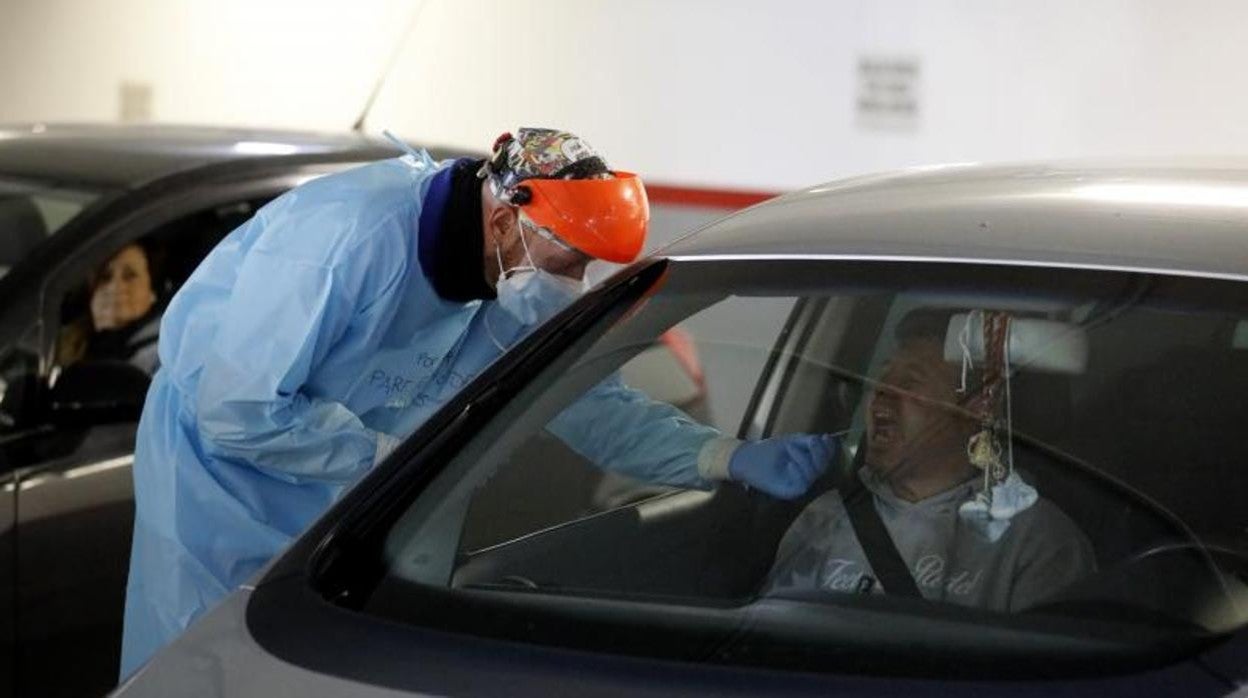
<point x="1038" y="443"/>
<point x="30" y="212"/>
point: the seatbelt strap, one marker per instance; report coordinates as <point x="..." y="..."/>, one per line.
<point x="878" y="545"/>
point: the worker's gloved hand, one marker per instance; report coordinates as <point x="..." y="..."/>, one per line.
<point x="783" y="466"/>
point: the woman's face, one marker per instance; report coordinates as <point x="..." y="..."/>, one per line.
<point x="123" y="291"/>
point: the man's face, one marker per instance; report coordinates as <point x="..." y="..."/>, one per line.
<point x="912" y="419"/>
<point x="519" y="245"/>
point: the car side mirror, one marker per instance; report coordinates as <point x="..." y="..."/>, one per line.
<point x="98" y="392"/>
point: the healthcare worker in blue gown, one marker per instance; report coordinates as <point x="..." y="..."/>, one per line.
<point x="341" y="316"/>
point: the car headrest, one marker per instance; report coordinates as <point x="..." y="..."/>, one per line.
<point x="21" y="228"/>
<point x="1043" y="346"/>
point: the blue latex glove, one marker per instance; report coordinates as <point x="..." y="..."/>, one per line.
<point x="783" y="466"/>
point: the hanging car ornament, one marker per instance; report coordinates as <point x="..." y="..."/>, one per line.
<point x="1003" y="494"/>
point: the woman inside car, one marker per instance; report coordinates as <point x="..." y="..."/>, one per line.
<point x="124" y="319"/>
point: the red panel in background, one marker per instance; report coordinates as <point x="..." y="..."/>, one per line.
<point x="728" y="199"/>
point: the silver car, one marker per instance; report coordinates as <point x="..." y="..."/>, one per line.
<point x="482" y="558"/>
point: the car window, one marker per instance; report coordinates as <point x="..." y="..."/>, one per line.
<point x="1053" y="449"/>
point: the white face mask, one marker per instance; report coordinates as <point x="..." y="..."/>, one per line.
<point x="532" y="295"/>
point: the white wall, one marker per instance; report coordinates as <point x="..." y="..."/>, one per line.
<point x="730" y="93"/>
<point x="306" y="64"/>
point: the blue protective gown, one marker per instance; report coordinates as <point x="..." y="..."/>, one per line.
<point x="305" y="342"/>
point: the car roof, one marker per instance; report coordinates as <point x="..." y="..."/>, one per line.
<point x="120" y="157"/>
<point x="1184" y="217"/>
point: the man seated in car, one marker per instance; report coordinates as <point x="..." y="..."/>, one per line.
<point x="918" y="474"/>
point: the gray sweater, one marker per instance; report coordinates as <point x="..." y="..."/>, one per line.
<point x="1041" y="552"/>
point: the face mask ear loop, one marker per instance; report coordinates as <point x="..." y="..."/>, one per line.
<point x="502" y="273"/>
<point x="527" y="255"/>
<point x="489" y="329"/>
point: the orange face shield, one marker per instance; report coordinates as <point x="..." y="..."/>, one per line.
<point x="604" y="218"/>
